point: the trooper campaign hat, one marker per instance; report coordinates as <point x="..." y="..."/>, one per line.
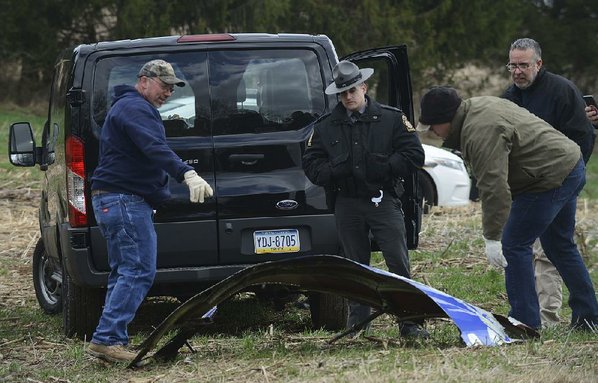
<point x="346" y="75"/>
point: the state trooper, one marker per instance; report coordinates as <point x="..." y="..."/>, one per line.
<point x="360" y="153"/>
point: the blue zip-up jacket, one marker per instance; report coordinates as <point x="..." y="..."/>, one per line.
<point x="557" y="101"/>
<point x="134" y="156"/>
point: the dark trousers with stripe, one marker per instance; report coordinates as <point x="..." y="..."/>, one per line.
<point x="356" y="218"/>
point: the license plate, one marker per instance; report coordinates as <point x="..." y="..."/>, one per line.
<point x="276" y="241"/>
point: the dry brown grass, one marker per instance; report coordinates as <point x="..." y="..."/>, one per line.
<point x="277" y="355"/>
<point x="18" y="235"/>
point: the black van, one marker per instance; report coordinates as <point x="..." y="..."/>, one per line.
<point x="242" y="122"/>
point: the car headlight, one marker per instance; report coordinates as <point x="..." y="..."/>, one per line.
<point x="457" y="165"/>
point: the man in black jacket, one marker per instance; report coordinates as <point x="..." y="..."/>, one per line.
<point x="360" y="152"/>
<point x="557" y="101"/>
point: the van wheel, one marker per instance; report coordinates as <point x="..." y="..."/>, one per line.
<point x="276" y="295"/>
<point x="328" y="312"/>
<point x="47" y="280"/>
<point x="426" y="185"/>
<point x="81" y="310"/>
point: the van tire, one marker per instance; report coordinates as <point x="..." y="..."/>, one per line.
<point x="328" y="311"/>
<point x="47" y="278"/>
<point x="81" y="310"/>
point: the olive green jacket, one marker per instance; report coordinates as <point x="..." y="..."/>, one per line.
<point x="510" y="151"/>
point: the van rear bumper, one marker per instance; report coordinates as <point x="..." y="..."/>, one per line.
<point x="78" y="248"/>
<point x="83" y="275"/>
<point x="77" y="261"/>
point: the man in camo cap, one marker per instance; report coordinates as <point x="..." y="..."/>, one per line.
<point x="130" y="181"/>
<point x="162" y="70"/>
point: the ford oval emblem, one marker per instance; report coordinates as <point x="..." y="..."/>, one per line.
<point x="287" y="204"/>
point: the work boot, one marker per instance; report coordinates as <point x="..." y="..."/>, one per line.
<point x="116" y="353"/>
<point x="413" y="330"/>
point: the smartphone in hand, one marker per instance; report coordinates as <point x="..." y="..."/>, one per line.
<point x="590" y="101"/>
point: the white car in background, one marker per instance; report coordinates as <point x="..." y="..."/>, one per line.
<point x="444" y="180"/>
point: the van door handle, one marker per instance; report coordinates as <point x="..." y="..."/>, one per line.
<point x="246" y="159"/>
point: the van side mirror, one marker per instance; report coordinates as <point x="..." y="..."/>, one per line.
<point x="21" y="144"/>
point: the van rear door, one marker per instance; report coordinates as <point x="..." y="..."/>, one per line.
<point x="263" y="101"/>
<point x="187" y="235"/>
<point x="391" y="82"/>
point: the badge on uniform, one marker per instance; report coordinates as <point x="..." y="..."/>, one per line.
<point x="407" y="124"/>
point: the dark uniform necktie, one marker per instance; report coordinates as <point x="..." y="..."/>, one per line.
<point x="355" y="116"/>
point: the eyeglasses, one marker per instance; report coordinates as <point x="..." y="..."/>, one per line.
<point x="511" y="67"/>
<point x="163" y="85"/>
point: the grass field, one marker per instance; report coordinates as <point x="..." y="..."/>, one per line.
<point x="255" y="342"/>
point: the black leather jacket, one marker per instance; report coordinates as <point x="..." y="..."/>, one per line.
<point x="557" y="101"/>
<point x="358" y="159"/>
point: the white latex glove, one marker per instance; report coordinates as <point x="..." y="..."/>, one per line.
<point x="494" y="253"/>
<point x="198" y="187"/>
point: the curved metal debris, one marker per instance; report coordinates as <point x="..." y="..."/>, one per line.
<point x="384" y="291"/>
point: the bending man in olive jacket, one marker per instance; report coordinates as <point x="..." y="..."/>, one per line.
<point x="529" y="176"/>
<point x="360" y="152"/>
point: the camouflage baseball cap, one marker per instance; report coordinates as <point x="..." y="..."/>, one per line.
<point x="162" y="70"/>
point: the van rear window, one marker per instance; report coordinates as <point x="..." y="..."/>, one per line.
<point x="256" y="91"/>
<point x="226" y="92"/>
<point x="186" y="111"/>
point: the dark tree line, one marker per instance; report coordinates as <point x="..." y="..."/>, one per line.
<point x="442" y="35"/>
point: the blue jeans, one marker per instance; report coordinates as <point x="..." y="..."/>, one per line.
<point x="126" y="222"/>
<point x="549" y="216"/>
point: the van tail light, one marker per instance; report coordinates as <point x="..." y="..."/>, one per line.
<point x="75" y="154"/>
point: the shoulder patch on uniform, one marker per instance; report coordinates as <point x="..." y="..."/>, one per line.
<point x="407" y="124"/>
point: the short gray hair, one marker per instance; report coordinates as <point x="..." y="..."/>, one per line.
<point x="527" y="43"/>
